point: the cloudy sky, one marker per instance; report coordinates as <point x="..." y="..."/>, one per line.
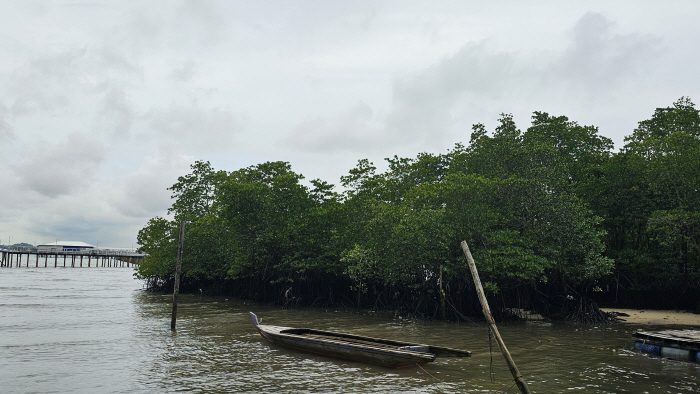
<point x="103" y="104"/>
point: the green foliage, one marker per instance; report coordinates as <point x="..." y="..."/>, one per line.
<point x="650" y="198"/>
<point x="159" y="243"/>
<point x="282" y="231"/>
<point x="208" y="250"/>
<point x="552" y="206"/>
<point x="207" y="243"/>
<point x="195" y="193"/>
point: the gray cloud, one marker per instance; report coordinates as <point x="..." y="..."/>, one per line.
<point x="430" y="104"/>
<point x="423" y="102"/>
<point x="58" y="80"/>
<point x="117" y="113"/>
<point x="184" y="72"/>
<point x="189" y="25"/>
<point x="113" y="65"/>
<point x="194" y="127"/>
<point x="202" y="22"/>
<point x="143" y="193"/>
<point x="5" y="128"/>
<point x="350" y="130"/>
<point x="598" y="59"/>
<point x="142" y="30"/>
<point x="422" y="105"/>
<point x="54" y="170"/>
<point x="77" y="217"/>
<point x="47" y="82"/>
<point x="72" y="226"/>
<point x="155" y="83"/>
<point x="475" y="69"/>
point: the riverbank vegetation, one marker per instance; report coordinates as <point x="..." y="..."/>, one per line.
<point x="555" y="218"/>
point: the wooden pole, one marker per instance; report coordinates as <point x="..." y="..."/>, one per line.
<point x="489" y="318"/>
<point x="178" y="272"/>
<point x="442" y="296"/>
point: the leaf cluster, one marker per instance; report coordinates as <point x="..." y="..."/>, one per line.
<point x="550" y="206"/>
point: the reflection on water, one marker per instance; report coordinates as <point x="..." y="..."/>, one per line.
<point x="95" y="331"/>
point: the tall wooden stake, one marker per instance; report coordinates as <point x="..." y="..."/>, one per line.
<point x="489" y="318"/>
<point x="442" y="296"/>
<point x="178" y="272"/>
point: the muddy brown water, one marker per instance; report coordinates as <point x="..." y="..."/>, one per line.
<point x="96" y="331"/>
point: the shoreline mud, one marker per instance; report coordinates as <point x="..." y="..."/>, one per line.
<point x="656" y="317"/>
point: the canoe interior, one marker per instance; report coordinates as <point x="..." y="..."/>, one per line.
<point x="385" y="352"/>
<point x="340" y="346"/>
<point x="376" y="342"/>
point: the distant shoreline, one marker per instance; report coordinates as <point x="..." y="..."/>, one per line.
<point x="657" y="317"/>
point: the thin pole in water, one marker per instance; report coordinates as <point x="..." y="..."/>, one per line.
<point x="178" y="270"/>
<point x="489" y="318"/>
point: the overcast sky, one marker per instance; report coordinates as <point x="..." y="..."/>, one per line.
<point x="103" y="104"/>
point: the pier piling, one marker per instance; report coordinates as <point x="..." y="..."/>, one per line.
<point x="14" y="259"/>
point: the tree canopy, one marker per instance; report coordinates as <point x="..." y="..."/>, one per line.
<point x="551" y="210"/>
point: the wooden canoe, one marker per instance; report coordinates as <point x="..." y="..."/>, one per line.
<point x="388" y="353"/>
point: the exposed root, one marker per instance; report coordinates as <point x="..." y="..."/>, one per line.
<point x="584" y="310"/>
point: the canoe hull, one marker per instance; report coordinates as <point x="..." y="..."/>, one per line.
<point x="392" y="354"/>
<point x="348" y="351"/>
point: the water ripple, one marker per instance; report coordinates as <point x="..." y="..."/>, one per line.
<point x="96" y="331"/>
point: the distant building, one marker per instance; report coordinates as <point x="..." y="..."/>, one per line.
<point x="23" y="247"/>
<point x="64" y="246"/>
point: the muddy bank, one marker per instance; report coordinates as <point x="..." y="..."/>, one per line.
<point x="656" y="317"/>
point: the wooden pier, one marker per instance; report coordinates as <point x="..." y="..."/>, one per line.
<point x="18" y="259"/>
<point x="677" y="344"/>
